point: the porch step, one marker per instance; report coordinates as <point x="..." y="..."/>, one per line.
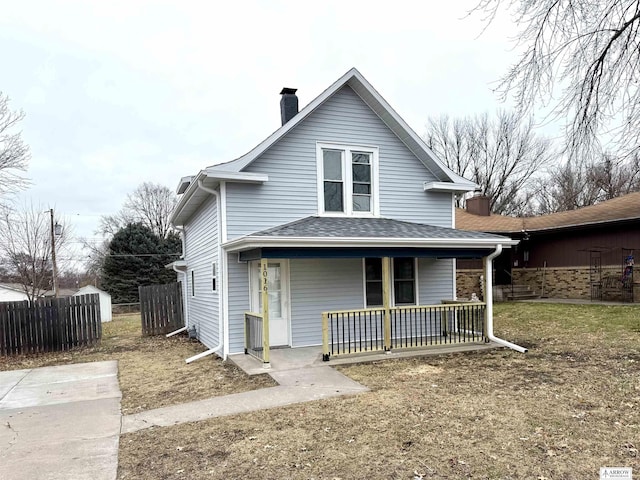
<point x="521" y="292"/>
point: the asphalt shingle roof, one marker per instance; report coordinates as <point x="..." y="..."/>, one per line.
<point x="355" y="227"/>
<point x="618" y="209"/>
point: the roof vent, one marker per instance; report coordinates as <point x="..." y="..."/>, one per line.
<point x="288" y="104"/>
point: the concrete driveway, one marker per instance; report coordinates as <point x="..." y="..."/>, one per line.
<point x="60" y="422"/>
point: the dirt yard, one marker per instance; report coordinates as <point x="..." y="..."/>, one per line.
<point x="562" y="411"/>
<point x="151" y="370"/>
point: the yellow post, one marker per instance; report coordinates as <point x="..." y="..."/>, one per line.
<point x="325" y="336"/>
<point x="386" y="301"/>
<point x="264" y="291"/>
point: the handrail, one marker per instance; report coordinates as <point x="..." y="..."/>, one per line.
<point x="437" y="305"/>
<point x="408" y="326"/>
<point x="254" y="334"/>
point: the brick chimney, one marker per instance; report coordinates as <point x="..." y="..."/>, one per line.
<point x="479" y="205"/>
<point x="288" y="104"/>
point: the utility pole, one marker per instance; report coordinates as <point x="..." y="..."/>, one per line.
<point x="53" y="256"/>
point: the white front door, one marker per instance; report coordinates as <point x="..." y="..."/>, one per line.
<point x="278" y="285"/>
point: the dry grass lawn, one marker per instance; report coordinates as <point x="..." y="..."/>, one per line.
<point x="568" y="407"/>
<point x="151" y="370"/>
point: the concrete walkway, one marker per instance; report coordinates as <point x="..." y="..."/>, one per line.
<point x="295" y="386"/>
<point x="60" y="422"/>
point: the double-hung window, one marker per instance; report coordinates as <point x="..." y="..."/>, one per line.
<point x="403" y="281"/>
<point x="347" y="180"/>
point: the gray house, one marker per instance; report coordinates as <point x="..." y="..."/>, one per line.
<point x="342" y="223"/>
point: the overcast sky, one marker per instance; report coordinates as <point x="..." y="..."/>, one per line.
<point x="121" y="92"/>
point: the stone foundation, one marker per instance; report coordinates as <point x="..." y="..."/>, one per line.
<point x="560" y="282"/>
<point x="468" y="282"/>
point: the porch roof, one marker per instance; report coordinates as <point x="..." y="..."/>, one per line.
<point x="357" y="236"/>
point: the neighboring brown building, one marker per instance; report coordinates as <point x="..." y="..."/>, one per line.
<point x="585" y="253"/>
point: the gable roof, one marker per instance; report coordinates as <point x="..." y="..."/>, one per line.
<point x="14" y="287"/>
<point x="233" y="171"/>
<point x="90" y="289"/>
<point x="618" y="209"/>
<point x="354" y="79"/>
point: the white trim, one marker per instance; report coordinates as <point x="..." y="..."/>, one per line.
<point x="364" y="282"/>
<point x="416" y="274"/>
<point x="223" y="207"/>
<point x="224" y="268"/>
<point x="236" y="177"/>
<point x="455" y="280"/>
<point x="210" y="179"/>
<point x="454" y="187"/>
<point x="249" y="242"/>
<point x="347" y="178"/>
<point x="453" y="210"/>
<point x="285" y="290"/>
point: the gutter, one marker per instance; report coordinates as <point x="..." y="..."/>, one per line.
<point x="217" y="348"/>
<point x="253" y="241"/>
<point x="488" y="262"/>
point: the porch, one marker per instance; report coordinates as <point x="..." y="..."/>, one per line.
<point x="369" y="331"/>
<point x="355" y="286"/>
<point x="284" y="359"/>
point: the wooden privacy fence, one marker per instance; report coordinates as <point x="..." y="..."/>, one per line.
<point x="49" y="324"/>
<point x="161" y="308"/>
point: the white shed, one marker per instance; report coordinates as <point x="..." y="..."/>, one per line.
<point x="12" y="293"/>
<point x="105" y="301"/>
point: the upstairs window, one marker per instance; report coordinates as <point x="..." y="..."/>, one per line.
<point x="347" y="180"/>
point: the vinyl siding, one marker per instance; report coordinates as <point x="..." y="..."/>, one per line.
<point x="435" y="280"/>
<point x="238" y="302"/>
<point x="318" y="286"/>
<point x="201" y="243"/>
<point x="291" y="192"/>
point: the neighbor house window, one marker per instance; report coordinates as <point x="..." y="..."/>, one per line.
<point x="347" y="179"/>
<point x="403" y="272"/>
<point x="214" y="276"/>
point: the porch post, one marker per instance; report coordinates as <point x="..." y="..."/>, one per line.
<point x="264" y="291"/>
<point x="386" y="301"/>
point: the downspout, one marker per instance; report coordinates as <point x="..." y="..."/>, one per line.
<point x="220" y="297"/>
<point x="488" y="262"/>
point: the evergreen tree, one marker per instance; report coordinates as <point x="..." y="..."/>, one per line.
<point x="136" y="257"/>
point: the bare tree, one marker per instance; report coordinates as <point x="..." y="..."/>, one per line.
<point x="25" y="246"/>
<point x="97" y="252"/>
<point x="582" y="58"/>
<point x="575" y="185"/>
<point x="502" y="155"/>
<point x="14" y="154"/>
<point x="150" y="204"/>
